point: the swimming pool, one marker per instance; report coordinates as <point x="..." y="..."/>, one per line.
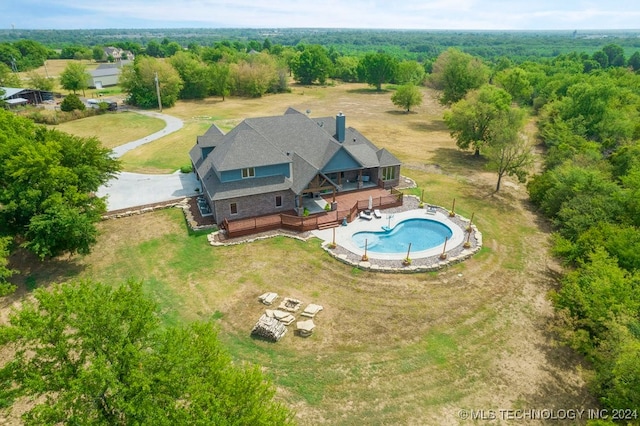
<point x="423" y="234"/>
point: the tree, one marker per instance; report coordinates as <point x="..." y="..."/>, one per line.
<point x="634" y="61"/>
<point x="220" y="79"/>
<point x="456" y="73"/>
<point x="313" y="64"/>
<point x="377" y="68"/>
<point x="154" y="49"/>
<point x="195" y="74"/>
<point x="516" y="82"/>
<point x="97" y="354"/>
<point x="72" y="102"/>
<point x="139" y="81"/>
<point x="40" y="82"/>
<point x="407" y="96"/>
<point x="98" y="53"/>
<point x="615" y="54"/>
<point x="410" y="72"/>
<point x="47" y="184"/>
<point x="74" y="77"/>
<point x="470" y="119"/>
<point x="5" y="271"/>
<point x="601" y="58"/>
<point x="171" y="49"/>
<point x="346" y="69"/>
<point x="8" y="78"/>
<point x="507" y="150"/>
<point x="255" y="76"/>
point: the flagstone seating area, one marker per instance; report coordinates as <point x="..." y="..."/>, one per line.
<point x="272" y="325"/>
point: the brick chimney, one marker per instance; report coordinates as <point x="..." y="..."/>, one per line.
<point x="340" y="127"/>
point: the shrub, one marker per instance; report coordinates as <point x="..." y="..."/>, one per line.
<point x="186" y="169"/>
<point x="72" y="102"/>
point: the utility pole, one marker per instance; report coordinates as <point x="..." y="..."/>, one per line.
<point x="158" y="92"/>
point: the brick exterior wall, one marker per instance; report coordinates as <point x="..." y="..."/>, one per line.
<point x="253" y="205"/>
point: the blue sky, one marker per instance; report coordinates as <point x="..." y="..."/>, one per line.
<point x="399" y="14"/>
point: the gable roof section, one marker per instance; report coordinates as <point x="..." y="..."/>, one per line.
<point x="341" y="160"/>
<point x="212" y="137"/>
<point x="386" y="159"/>
<point x="245" y="147"/>
<point x="303" y="172"/>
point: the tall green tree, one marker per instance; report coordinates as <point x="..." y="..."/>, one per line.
<point x="377" y="69"/>
<point x="508" y="151"/>
<point x="516" y="82"/>
<point x="8" y="78"/>
<point x="139" y="81"/>
<point x="456" y="73"/>
<point x="195" y="74"/>
<point x="410" y="72"/>
<point x="75" y="77"/>
<point x="346" y="69"/>
<point x="615" y="55"/>
<point x="407" y="97"/>
<point x="311" y="65"/>
<point x="220" y="79"/>
<point x="470" y="120"/>
<point x="47" y="184"/>
<point x="91" y="353"/>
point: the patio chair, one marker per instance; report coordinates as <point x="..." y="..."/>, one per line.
<point x="365" y="216"/>
<point x="377" y="214"/>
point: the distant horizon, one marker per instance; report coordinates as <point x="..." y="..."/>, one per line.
<point x="417" y="15"/>
<point x="523" y="30"/>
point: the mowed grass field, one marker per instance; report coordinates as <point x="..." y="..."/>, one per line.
<point x="388" y="348"/>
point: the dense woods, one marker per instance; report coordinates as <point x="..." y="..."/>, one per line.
<point x="583" y="93"/>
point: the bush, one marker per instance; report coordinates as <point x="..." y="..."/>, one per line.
<point x="186" y="169"/>
<point x="72" y="102"/>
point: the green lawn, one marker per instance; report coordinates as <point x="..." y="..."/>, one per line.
<point x="114" y="129"/>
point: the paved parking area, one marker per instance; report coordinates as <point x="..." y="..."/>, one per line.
<point x="135" y="189"/>
<point x="128" y="190"/>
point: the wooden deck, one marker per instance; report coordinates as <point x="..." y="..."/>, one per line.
<point x="346" y="200"/>
<point x="349" y="204"/>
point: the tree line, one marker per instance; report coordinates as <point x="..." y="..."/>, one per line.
<point x="589" y="187"/>
<point x="404" y="44"/>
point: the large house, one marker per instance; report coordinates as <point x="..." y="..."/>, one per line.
<point x="269" y="165"/>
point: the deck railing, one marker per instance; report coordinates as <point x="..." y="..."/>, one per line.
<point x="254" y="225"/>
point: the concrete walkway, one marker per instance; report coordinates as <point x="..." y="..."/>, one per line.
<point x="128" y="190"/>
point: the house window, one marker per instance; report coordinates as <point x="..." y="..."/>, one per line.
<point x="388" y="173"/>
<point x="249" y="172"/>
<point x="278" y="201"/>
<point x="234" y="208"/>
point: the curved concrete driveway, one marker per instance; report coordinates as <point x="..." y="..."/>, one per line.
<point x="128" y="190"/>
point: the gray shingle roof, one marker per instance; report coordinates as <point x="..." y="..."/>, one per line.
<point x="243" y="187"/>
<point x="386" y="159"/>
<point x="308" y="143"/>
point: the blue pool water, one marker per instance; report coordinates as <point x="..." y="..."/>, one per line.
<point x="423" y="234"/>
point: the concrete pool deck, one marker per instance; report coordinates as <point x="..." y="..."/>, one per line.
<point x="426" y="260"/>
<point x="347" y="252"/>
